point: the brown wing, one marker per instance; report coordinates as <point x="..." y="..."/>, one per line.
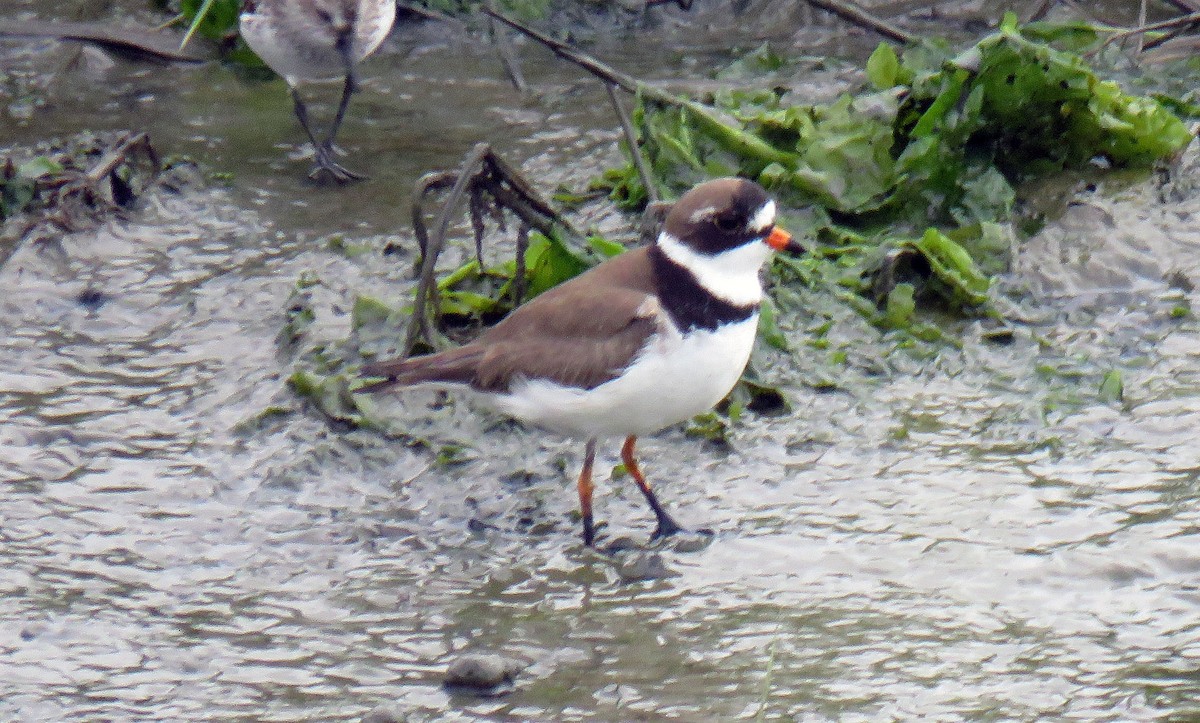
<point x="581" y="333"/>
<point x="580" y="341"/>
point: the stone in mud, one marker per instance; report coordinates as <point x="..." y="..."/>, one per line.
<point x="690" y="540"/>
<point x="482" y="674"/>
<point x="641" y="566"/>
<point x="384" y="714"/>
<point x="91" y="298"/>
<point x="622" y="544"/>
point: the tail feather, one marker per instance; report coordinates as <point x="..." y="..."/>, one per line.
<point x="452" y="366"/>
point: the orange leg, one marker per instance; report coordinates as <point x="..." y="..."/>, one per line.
<point x="666" y="525"/>
<point x="585" y="493"/>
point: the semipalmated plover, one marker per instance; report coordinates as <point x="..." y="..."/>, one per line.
<point x="310" y="40"/>
<point x="645" y="340"/>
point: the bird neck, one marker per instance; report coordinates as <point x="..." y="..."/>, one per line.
<point x="731" y="275"/>
<point x="690" y="302"/>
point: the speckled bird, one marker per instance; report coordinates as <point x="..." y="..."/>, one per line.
<point x="313" y="40"/>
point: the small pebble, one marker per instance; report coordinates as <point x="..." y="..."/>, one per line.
<point x="483" y="674"/>
<point x="690" y="540"/>
<point x="383" y="714"/>
<point x="622" y="544"/>
<point x="91" y="299"/>
<point x="640" y="566"/>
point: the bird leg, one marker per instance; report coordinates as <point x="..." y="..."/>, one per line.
<point x="349" y="88"/>
<point x="326" y="164"/>
<point x="585" y="493"/>
<point x="666" y="525"/>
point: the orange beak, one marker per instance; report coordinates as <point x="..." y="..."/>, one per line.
<point x="781" y="240"/>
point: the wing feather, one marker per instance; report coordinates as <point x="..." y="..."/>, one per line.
<point x="584" y="344"/>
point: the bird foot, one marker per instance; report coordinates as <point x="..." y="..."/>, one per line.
<point x="681" y="538"/>
<point x="666" y="528"/>
<point x="328" y="169"/>
<point x="336" y="173"/>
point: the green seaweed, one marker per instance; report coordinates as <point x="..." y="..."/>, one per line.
<point x="217" y="20"/>
<point x="953" y="270"/>
<point x="1112" y="387"/>
<point x="18" y="184"/>
<point x="908" y="186"/>
<point x="469" y="293"/>
<point x="931" y="151"/>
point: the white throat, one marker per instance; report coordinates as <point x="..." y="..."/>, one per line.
<point x="731" y="276"/>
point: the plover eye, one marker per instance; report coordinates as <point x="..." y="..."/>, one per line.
<point x="728" y="223"/>
<point x="325" y="16"/>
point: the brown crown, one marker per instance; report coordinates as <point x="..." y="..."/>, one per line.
<point x="715" y="216"/>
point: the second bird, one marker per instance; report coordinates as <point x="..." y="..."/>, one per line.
<point x="311" y="40"/>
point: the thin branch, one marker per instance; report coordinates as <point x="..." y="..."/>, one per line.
<point x="608" y="74"/>
<point x="504" y="49"/>
<point x="1142" y="21"/>
<point x="138" y="43"/>
<point x="1164" y="38"/>
<point x="482" y="174"/>
<point x="519" y="278"/>
<point x="72" y="191"/>
<point x="532" y="199"/>
<point x="433" y="181"/>
<point x="420" y="323"/>
<point x="1183" y="20"/>
<point x="431" y="14"/>
<point x="707" y="118"/>
<point x="566" y="52"/>
<point x="857" y="15"/>
<point x="1088" y="11"/>
<point x="1186" y="6"/>
<point x="1041" y="10"/>
<point x="121" y="154"/>
<point x="631" y="138"/>
<point x="1172" y="48"/>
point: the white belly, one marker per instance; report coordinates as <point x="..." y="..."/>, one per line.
<point x="674" y="379"/>
<point x="294" y="47"/>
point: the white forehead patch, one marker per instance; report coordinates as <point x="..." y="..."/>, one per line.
<point x="702" y="214"/>
<point x="764" y="218"/>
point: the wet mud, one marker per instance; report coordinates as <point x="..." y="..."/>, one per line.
<point x="931" y="531"/>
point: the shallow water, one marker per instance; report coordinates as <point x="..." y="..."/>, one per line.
<point x="967" y="535"/>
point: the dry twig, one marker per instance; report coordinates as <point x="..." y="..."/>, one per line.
<point x="1142" y="21"/>
<point x="632" y="140"/>
<point x="1181" y="21"/>
<point x="504" y="49"/>
<point x="1039" y="11"/>
<point x="137" y="43"/>
<point x="492" y="186"/>
<point x="858" y="15"/>
<point x="1186" y="6"/>
<point x="606" y="73"/>
<point x="73" y="199"/>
